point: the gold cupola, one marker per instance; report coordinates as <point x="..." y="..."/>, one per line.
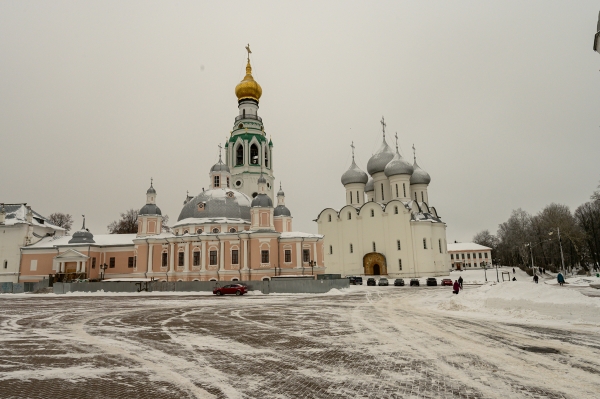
<point x="248" y="88"/>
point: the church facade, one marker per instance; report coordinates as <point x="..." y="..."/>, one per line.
<point x="237" y="229"/>
<point x="387" y="226"/>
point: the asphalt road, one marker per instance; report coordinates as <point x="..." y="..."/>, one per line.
<point x="375" y="343"/>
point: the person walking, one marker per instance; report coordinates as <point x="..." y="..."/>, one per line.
<point x="535" y="278"/>
<point x="560" y="278"/>
<point x="513" y="270"/>
<point x="460" y="282"/>
<point x="456" y="287"/>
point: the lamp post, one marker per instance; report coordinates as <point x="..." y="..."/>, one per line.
<point x="103" y="267"/>
<point x="562" y="258"/>
<point x="484" y="264"/>
<point x="531" y="252"/>
<point x="497" y="276"/>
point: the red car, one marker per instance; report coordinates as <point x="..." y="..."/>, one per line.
<point x="447" y="281"/>
<point x="237" y="289"/>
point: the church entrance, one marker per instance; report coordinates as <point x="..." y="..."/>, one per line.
<point x="374" y="264"/>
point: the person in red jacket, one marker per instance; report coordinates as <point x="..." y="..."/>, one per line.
<point x="456" y="287"/>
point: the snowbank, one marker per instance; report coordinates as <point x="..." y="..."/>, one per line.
<point x="580" y="281"/>
<point x="527" y="300"/>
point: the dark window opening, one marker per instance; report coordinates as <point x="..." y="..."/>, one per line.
<point x="164" y="259"/>
<point x="234" y="257"/>
<point x="217" y="181"/>
<point x="111" y="263"/>
<point x="264" y="256"/>
<point x="239" y="157"/>
<point x="180" y="259"/>
<point x="288" y="256"/>
<point x="93" y="263"/>
<point x="196" y="258"/>
<point x="254" y="154"/>
<point x="306" y="255"/>
<point x="266" y="158"/>
<point x="130" y="262"/>
<point x="213" y="257"/>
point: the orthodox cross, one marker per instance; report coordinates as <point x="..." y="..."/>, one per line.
<point x="220" y="147"/>
<point x="83" y="216"/>
<point x="414" y="153"/>
<point x="396" y="141"/>
<point x="151" y="180"/>
<point x="383" y="125"/>
<point x="352" y="145"/>
<point x="249" y="52"/>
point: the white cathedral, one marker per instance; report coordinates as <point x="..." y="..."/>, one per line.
<point x="395" y="232"/>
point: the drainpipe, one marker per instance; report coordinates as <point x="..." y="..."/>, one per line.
<point x="278" y="256"/>
<point x="239" y="259"/>
<point x="20" y="260"/>
<point x="86" y="268"/>
<point x="219" y="258"/>
<point x="302" y="255"/>
<point x="147" y="257"/>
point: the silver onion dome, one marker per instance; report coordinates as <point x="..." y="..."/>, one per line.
<point x="262" y="179"/>
<point x="150" y="209"/>
<point x="217" y="203"/>
<point x="370" y="186"/>
<point x="419" y="176"/>
<point x="398" y="166"/>
<point x="380" y="159"/>
<point x="82" y="236"/>
<point x="262" y="201"/>
<point x="220" y="167"/>
<point x="281" y="210"/>
<point x="354" y="175"/>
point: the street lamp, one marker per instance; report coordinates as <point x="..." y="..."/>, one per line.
<point x="562" y="258"/>
<point x="484" y="264"/>
<point x="497" y="276"/>
<point x="531" y="252"/>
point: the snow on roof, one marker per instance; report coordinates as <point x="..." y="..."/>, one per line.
<point x="199" y="221"/>
<point x="100" y="240"/>
<point x="299" y="234"/>
<point x="467" y="246"/>
<point x="17" y="214"/>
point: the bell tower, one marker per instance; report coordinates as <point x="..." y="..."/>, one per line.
<point x="249" y="153"/>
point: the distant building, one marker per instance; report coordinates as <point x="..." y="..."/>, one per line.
<point x="465" y="255"/>
<point x="20" y="226"/>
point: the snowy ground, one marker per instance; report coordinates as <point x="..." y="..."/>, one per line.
<point x="491" y="341"/>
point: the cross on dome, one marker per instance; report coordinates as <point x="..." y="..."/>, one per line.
<point x="396" y="135"/>
<point x="249" y="51"/>
<point x="414" y="153"/>
<point x="352" y="145"/>
<point x="151" y="181"/>
<point x="83" y="227"/>
<point x="383" y="125"/>
<point x="220" y="147"/>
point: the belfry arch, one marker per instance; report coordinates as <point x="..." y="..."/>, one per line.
<point x="374" y="264"/>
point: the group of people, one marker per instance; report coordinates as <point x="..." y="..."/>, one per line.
<point x="457" y="286"/>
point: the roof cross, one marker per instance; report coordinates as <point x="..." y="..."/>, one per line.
<point x="414" y="153"/>
<point x="83" y="227"/>
<point x="396" y="141"/>
<point x="383" y="125"/>
<point x="220" y="148"/>
<point x="352" y="145"/>
<point x="249" y="51"/>
<point x="151" y="181"/>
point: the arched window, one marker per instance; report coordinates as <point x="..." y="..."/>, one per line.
<point x="244" y="113"/>
<point x="372" y="213"/>
<point x="215" y="230"/>
<point x="232" y="230"/>
<point x="351" y="249"/>
<point x="424" y="243"/>
<point x="239" y="155"/>
<point x="357" y="198"/>
<point x="404" y="189"/>
<point x="217" y="181"/>
<point x="199" y="231"/>
<point x="330" y="250"/>
<point x="374" y="247"/>
<point x="395" y="210"/>
<point x="398" y="244"/>
<point x="266" y="157"/>
<point x="253" y="154"/>
<point x="397" y="191"/>
<point x="349" y="215"/>
<point x="350" y="196"/>
<point x="329" y="217"/>
<point x="382" y="192"/>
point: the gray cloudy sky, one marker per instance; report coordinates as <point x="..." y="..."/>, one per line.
<point x="500" y="99"/>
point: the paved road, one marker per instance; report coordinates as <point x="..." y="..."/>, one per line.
<point x="370" y="344"/>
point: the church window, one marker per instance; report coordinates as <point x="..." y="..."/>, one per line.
<point x="374" y="247"/>
<point x="422" y="198"/>
<point x="395" y="210"/>
<point x="400" y="264"/>
<point x="243" y="113"/>
<point x="397" y="191"/>
<point x="199" y="231"/>
<point x="239" y="155"/>
<point x="372" y="213"/>
<point x="5" y="264"/>
<point x="264" y="256"/>
<point x="234" y="257"/>
<point x="440" y="244"/>
<point x="351" y="249"/>
<point x="382" y="192"/>
<point x="349" y="215"/>
<point x="164" y="259"/>
<point x="357" y="198"/>
<point x="288" y="256"/>
<point x="404" y="189"/>
<point x="254" y="194"/>
<point x="111" y="263"/>
<point x="213" y="257"/>
<point x="350" y="196"/>
<point x="217" y="181"/>
<point x="196" y="258"/>
<point x="185" y="231"/>
<point x="330" y="250"/>
<point x="480" y="255"/>
<point x="306" y="255"/>
<point x="424" y="243"/>
<point x="215" y="230"/>
<point x="330" y="218"/>
<point x="130" y="262"/>
<point x="398" y="245"/>
<point x="232" y="230"/>
<point x="254" y="154"/>
<point x="486" y="255"/>
<point x="93" y="263"/>
<point x="228" y="182"/>
<point x="266" y="158"/>
<point x="415" y="196"/>
<point x="452" y="256"/>
<point x="468" y="256"/>
<point x="463" y="256"/>
<point x="180" y="259"/>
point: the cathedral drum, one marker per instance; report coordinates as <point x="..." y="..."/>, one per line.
<point x="374" y="264"/>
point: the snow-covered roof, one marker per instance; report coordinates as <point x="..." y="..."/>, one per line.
<point x="299" y="234"/>
<point x="216" y="220"/>
<point x="467" y="246"/>
<point x="100" y="240"/>
<point x="17" y="214"/>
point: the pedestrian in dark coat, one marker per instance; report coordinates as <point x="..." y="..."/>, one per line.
<point x="535" y="278"/>
<point x="560" y="278"/>
<point x="513" y="270"/>
<point x="456" y="287"/>
<point x="460" y="281"/>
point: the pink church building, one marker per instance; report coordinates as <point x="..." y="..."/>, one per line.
<point x="232" y="231"/>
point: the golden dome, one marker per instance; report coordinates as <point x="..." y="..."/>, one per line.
<point x="248" y="87"/>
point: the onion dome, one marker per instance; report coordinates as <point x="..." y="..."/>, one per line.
<point x="220" y="166"/>
<point x="82" y="236"/>
<point x="354" y="175"/>
<point x="280" y="193"/>
<point x="419" y="176"/>
<point x="150" y="209"/>
<point x="398" y="166"/>
<point x="380" y="159"/>
<point x="370" y="186"/>
<point x="248" y="88"/>
<point x="262" y="179"/>
<point x="151" y="190"/>
<point x="262" y="201"/>
<point x="281" y="210"/>
<point x="217" y="203"/>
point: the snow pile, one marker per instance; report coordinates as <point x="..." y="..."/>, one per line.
<point x="527" y="300"/>
<point x="581" y="281"/>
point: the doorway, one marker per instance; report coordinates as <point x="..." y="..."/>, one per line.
<point x="376" y="271"/>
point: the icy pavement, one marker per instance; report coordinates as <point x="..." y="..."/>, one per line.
<point x="369" y="342"/>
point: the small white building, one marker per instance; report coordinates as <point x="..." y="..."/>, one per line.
<point x="20" y="226"/>
<point x="465" y="255"/>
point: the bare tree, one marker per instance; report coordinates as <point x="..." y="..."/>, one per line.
<point x="165" y="227"/>
<point x="63" y="220"/>
<point x="126" y="225"/>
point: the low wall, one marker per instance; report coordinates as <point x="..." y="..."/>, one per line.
<point x="12" y="288"/>
<point x="275" y="286"/>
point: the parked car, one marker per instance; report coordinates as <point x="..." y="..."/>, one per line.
<point x="447" y="281"/>
<point x="351" y="280"/>
<point x="383" y="282"/>
<point x="359" y="280"/>
<point x="414" y="281"/>
<point x="431" y="281"/>
<point x="371" y="281"/>
<point x="234" y="289"/>
<point x="399" y="282"/>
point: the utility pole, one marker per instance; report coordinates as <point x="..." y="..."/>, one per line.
<point x="531" y="252"/>
<point x="562" y="257"/>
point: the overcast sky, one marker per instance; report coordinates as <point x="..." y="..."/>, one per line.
<point x="501" y="100"/>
